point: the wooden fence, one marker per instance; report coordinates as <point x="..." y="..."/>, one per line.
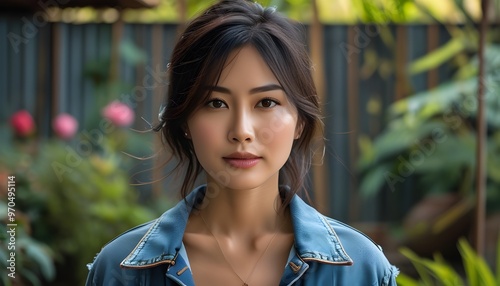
<point x="44" y="68"/>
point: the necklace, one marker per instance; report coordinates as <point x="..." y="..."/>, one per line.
<point x="227" y="261"/>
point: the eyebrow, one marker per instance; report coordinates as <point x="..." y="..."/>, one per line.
<point x="264" y="88"/>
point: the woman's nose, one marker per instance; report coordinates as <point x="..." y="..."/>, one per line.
<point x="242" y="128"/>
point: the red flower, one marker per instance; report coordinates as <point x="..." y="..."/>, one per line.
<point x="22" y="123"/>
<point x="65" y="126"/>
<point x="119" y="113"/>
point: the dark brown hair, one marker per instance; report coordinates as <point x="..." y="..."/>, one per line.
<point x="197" y="62"/>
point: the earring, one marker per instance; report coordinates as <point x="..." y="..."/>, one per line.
<point x="186" y="134"/>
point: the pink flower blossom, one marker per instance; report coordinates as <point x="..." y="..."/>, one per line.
<point x="22" y="123"/>
<point x="65" y="126"/>
<point x="119" y="113"/>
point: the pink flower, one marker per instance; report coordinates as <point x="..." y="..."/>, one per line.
<point x="119" y="113"/>
<point x="65" y="126"/>
<point x="22" y="123"/>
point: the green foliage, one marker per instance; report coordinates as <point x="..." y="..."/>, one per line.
<point x="439" y="272"/>
<point x="383" y="11"/>
<point x="431" y="136"/>
<point x="69" y="203"/>
<point x="33" y="259"/>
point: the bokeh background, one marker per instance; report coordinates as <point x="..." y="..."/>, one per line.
<point x="82" y="82"/>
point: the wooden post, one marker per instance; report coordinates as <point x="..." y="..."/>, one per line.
<point x="317" y="56"/>
<point x="432" y="44"/>
<point x="401" y="90"/>
<point x="56" y="71"/>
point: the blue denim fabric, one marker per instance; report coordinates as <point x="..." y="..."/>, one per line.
<point x="326" y="252"/>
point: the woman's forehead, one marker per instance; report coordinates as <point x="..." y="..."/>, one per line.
<point x="245" y="68"/>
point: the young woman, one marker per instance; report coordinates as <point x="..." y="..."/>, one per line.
<point x="241" y="111"/>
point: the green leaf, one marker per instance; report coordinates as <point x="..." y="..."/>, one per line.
<point x="445" y="274"/>
<point x="131" y="53"/>
<point x="498" y="261"/>
<point x="418" y="263"/>
<point x="374" y="179"/>
<point x="444" y="96"/>
<point x="41" y="255"/>
<point x="401" y="137"/>
<point x="438" y="56"/>
<point x="438" y="269"/>
<point x="477" y="270"/>
<point x="405" y="280"/>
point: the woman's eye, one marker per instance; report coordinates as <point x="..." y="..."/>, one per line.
<point x="216" y="103"/>
<point x="267" y="103"/>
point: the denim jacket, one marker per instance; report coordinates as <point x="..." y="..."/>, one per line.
<point x="325" y="252"/>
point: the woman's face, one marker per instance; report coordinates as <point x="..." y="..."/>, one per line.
<point x="244" y="134"/>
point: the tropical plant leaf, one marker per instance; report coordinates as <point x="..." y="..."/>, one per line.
<point x="461" y="7"/>
<point x="131" y="53"/>
<point x="438" y="57"/>
<point x="41" y="255"/>
<point x="498" y="261"/>
<point x="374" y="179"/>
<point x="443" y="273"/>
<point x="402" y="136"/>
<point x="405" y="280"/>
<point x="477" y="270"/>
<point x="418" y="263"/>
<point x="444" y="96"/>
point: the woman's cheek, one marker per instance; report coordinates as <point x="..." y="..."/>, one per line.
<point x="280" y="129"/>
<point x="205" y="131"/>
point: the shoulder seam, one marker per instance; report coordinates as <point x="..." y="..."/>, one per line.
<point x="328" y="219"/>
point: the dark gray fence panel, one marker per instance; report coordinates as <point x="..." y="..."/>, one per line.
<point x="337" y="151"/>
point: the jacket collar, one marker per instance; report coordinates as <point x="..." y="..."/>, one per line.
<point x="315" y="238"/>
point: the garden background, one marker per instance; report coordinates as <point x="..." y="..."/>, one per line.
<point x="398" y="82"/>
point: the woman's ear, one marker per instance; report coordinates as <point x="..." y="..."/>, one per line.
<point x="186" y="132"/>
<point x="298" y="129"/>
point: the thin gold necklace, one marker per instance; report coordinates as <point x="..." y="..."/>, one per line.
<point x="227" y="261"/>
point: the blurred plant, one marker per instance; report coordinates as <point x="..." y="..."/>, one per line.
<point x="72" y="197"/>
<point x="439" y="272"/>
<point x="431" y="135"/>
<point x="33" y="260"/>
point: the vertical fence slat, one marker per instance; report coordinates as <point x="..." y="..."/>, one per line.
<point x="15" y="54"/>
<point x="353" y="123"/>
<point x="5" y="107"/>
<point x="401" y="59"/>
<point x="337" y="154"/>
<point x="432" y="44"/>
<point x="417" y="34"/>
<point x="42" y="87"/>
<point x="73" y="91"/>
<point x="90" y="51"/>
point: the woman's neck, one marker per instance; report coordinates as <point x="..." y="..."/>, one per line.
<point x="245" y="213"/>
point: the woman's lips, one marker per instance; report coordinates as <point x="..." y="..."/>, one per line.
<point x="242" y="160"/>
<point x="243" y="163"/>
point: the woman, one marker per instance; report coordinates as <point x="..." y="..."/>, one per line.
<point x="241" y="111"/>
